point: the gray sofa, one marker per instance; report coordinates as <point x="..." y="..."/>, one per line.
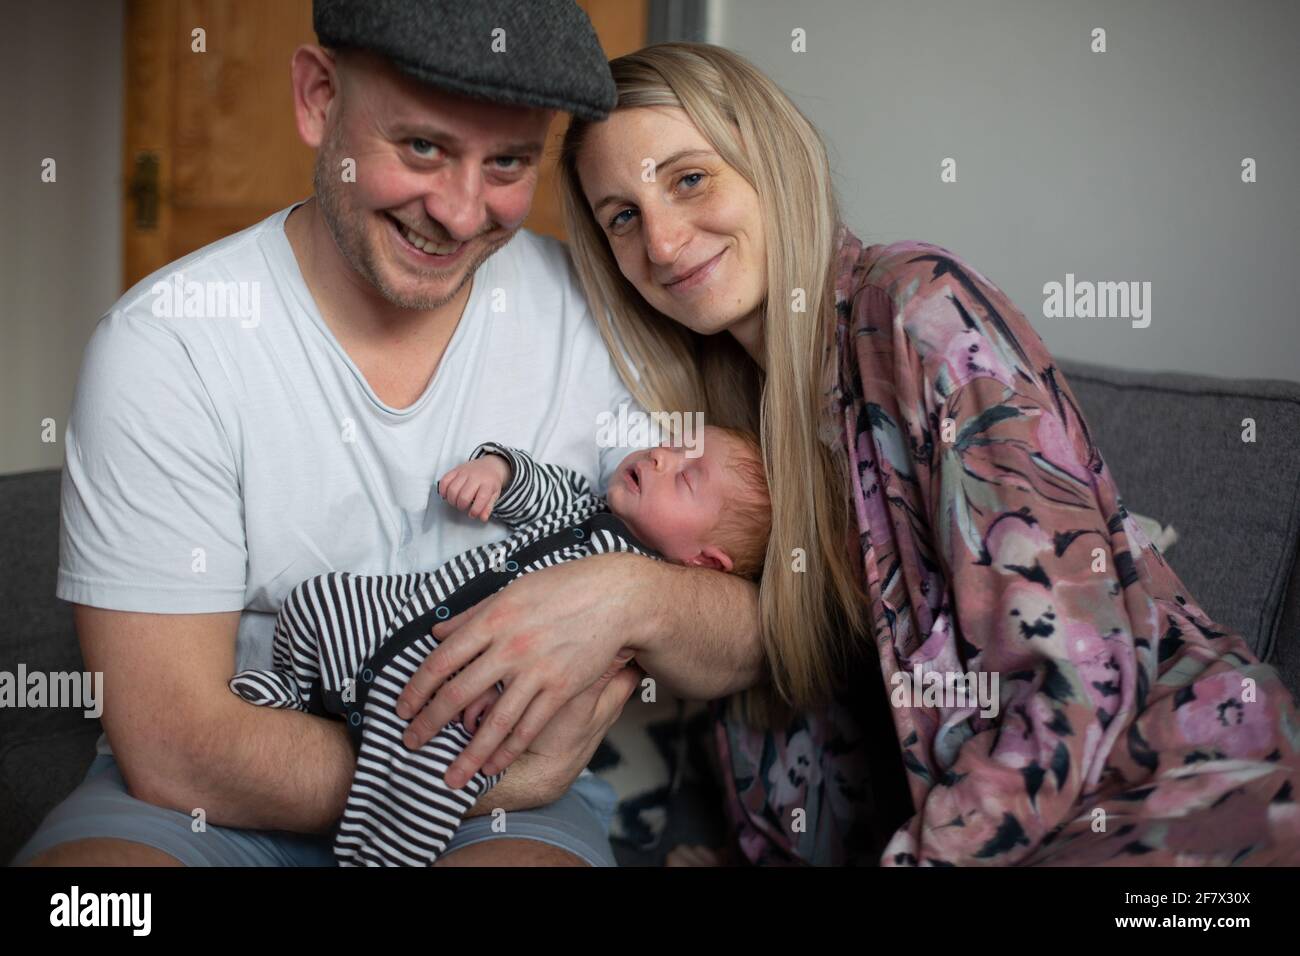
<point x="1172" y="441"/>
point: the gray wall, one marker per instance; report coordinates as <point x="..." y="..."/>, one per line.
<point x="1123" y="165"/>
<point x="60" y="242"/>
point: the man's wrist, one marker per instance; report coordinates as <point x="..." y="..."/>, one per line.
<point x="648" y="583"/>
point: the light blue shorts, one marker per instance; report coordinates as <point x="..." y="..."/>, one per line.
<point x="101" y="807"/>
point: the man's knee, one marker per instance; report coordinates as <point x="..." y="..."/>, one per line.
<point x="102" y="851"/>
<point x="510" y="853"/>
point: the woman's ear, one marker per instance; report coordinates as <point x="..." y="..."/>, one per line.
<point x="712" y="557"/>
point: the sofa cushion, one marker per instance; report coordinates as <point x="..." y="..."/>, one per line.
<point x="44" y="751"/>
<point x="35" y="774"/>
<point x="1286" y="648"/>
<point x="1162" y="536"/>
<point x="38" y="631"/>
<point x="39" y="626"/>
<point x="1173" y="443"/>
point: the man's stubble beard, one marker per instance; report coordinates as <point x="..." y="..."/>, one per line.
<point x="349" y="228"/>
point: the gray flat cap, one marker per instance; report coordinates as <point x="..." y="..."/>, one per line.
<point x="523" y="52"/>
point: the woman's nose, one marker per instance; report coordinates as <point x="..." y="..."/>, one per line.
<point x="665" y="234"/>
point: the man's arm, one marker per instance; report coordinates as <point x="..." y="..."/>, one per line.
<point x="699" y="629"/>
<point x="565" y="746"/>
<point x="550" y="634"/>
<point x="184" y="741"/>
<point x="695" y="631"/>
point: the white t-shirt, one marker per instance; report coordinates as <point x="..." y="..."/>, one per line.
<point x="214" y="463"/>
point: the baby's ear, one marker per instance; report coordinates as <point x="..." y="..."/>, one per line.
<point x="714" y="557"/>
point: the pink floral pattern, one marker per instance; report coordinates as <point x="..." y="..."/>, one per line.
<point x="1132" y="729"/>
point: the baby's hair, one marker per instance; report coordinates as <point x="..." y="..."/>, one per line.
<point x="745" y="521"/>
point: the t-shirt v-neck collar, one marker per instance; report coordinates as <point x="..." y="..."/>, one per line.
<point x="297" y="282"/>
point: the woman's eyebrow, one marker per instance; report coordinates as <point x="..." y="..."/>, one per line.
<point x="662" y="164"/>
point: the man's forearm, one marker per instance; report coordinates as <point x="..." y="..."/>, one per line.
<point x="518" y="789"/>
<point x="263" y="768"/>
<point x="699" y="630"/>
<point x="293" y="772"/>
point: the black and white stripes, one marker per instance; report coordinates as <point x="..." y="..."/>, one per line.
<point x="331" y="628"/>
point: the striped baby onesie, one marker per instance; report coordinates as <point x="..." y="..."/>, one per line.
<point x="346" y="644"/>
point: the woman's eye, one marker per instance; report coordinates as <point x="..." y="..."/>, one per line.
<point x="618" y="219"/>
<point x="691" y="176"/>
<point x="508" y="163"/>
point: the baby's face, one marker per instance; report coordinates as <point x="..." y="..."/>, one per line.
<point x="672" y="502"/>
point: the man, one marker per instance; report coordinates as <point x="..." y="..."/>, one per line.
<point x="214" y="461"/>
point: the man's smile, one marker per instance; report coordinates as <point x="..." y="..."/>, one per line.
<point x="431" y="248"/>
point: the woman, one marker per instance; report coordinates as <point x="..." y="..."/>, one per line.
<point x="939" y="508"/>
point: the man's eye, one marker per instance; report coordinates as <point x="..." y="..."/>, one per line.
<point x="424" y="148"/>
<point x="509" y="163"/>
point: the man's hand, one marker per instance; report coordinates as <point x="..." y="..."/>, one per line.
<point x="476" y="711"/>
<point x="551" y="633"/>
<point x="583" y="604"/>
<point x="475" y="486"/>
<point x="547" y="769"/>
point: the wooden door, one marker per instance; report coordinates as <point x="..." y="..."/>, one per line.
<point x="210" y="144"/>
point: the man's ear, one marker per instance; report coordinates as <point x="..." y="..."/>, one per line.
<point x="714" y="557"/>
<point x="314" y="77"/>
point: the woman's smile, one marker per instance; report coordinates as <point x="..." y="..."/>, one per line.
<point x="696" y="277"/>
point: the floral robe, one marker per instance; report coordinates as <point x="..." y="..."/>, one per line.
<point x="1131" y="729"/>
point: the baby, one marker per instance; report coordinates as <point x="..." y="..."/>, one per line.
<point x="346" y="645"/>
<point x="711" y="511"/>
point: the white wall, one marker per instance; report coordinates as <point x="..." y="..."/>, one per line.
<point x="60" y="242"/>
<point x="1123" y="165"/>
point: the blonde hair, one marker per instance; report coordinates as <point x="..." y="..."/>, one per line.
<point x="811" y="621"/>
<point x="745" y="519"/>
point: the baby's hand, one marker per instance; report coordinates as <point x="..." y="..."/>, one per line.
<point x="473" y="715"/>
<point x="475" y="486"/>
